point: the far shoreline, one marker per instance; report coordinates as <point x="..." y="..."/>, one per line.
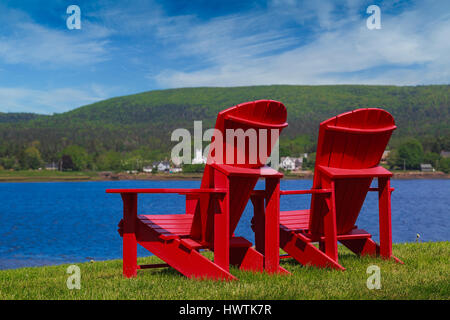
<point x="102" y="176"/>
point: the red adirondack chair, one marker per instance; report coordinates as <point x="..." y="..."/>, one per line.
<point x="349" y="150"/>
<point x="213" y="211"/>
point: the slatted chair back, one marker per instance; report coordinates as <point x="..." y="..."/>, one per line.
<point x="247" y="134"/>
<point x="353" y="140"/>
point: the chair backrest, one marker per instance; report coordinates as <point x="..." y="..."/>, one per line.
<point x="247" y="120"/>
<point x="352" y="140"/>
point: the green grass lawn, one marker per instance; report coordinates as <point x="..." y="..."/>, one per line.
<point x="425" y="275"/>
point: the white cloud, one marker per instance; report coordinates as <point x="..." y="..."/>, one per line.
<point x="411" y="48"/>
<point x="289" y="42"/>
<point x="48" y="101"/>
<point x="27" y="42"/>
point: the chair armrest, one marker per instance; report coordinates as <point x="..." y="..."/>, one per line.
<point x="337" y="173"/>
<point x="263" y="172"/>
<point x="262" y="193"/>
<point x="175" y="190"/>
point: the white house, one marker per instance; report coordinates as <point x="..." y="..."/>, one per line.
<point x="426" y="167"/>
<point x="51" y="166"/>
<point x="291" y="163"/>
<point x="161" y="165"/>
<point x="287" y="163"/>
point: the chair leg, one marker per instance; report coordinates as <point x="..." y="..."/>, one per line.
<point x="301" y="249"/>
<point x="384" y="203"/>
<point x="249" y="259"/>
<point x="362" y="246"/>
<point x="222" y="225"/>
<point x="129" y="235"/>
<point x="331" y="248"/>
<point x="272" y="226"/>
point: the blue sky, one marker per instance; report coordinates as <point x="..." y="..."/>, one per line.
<point x="127" y="47"/>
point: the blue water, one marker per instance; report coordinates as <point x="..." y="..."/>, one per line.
<point x="65" y="222"/>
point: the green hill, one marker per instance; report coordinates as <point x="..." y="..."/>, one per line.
<point x="17" y="117"/>
<point x="145" y="121"/>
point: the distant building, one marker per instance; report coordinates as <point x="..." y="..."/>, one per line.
<point x="287" y="163"/>
<point x="147" y="169"/>
<point x="445" y="154"/>
<point x="299" y="163"/>
<point x="160" y="166"/>
<point x="291" y="163"/>
<point x="51" y="166"/>
<point x="176" y="170"/>
<point x="426" y="167"/>
<point x="163" y="166"/>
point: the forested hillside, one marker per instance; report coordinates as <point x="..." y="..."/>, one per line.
<point x="139" y="126"/>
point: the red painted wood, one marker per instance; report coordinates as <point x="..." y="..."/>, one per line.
<point x="272" y="223"/>
<point x="262" y="172"/>
<point x="385" y="217"/>
<point x="301" y="249"/>
<point x="349" y="150"/>
<point x="191" y="203"/>
<point x="187" y="261"/>
<point x="337" y="173"/>
<point x="179" y="191"/>
<point x="329" y="221"/>
<point x="213" y="211"/>
<point x="222" y="233"/>
<point x="247" y="258"/>
<point x="129" y="235"/>
<point x="360" y="131"/>
<point x="261" y="114"/>
<point x="192" y="244"/>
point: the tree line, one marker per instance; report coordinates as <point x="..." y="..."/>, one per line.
<point x="127" y="133"/>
